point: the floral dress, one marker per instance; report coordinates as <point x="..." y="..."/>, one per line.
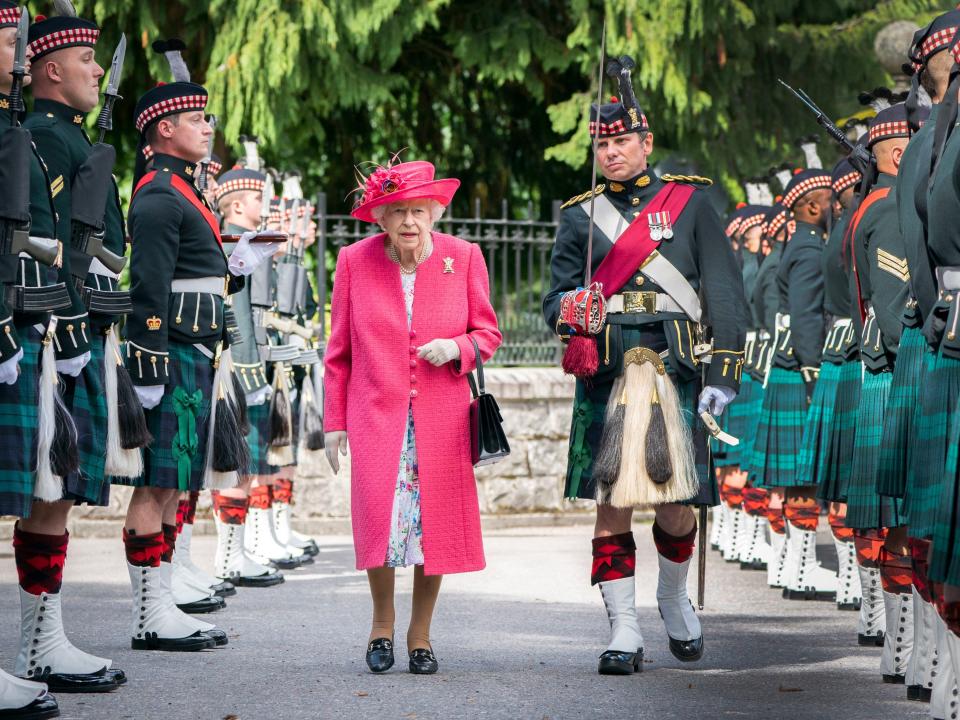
<point x="405" y="546"/>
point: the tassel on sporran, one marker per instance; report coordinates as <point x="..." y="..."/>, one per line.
<point x="280" y="435"/>
<point x="646" y="452"/>
<point x="55" y="427"/>
<point x="126" y="423"/>
<point x="228" y="456"/>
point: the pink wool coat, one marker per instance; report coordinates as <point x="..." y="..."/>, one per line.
<point x="373" y="375"/>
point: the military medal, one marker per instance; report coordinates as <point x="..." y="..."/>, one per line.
<point x="666" y="225"/>
<point x="656" y="229"/>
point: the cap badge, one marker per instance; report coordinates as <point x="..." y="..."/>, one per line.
<point x="77" y="119"/>
<point x="634" y="117"/>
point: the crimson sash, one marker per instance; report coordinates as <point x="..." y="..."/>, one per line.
<point x="874" y="196"/>
<point x="181" y="186"/>
<point x="635" y="245"/>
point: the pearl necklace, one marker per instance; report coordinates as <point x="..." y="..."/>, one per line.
<point x="395" y="256"/>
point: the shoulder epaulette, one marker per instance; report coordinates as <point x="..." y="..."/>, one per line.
<point x="577" y="199"/>
<point x="693" y="179"/>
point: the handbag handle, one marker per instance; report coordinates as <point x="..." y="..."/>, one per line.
<point x="477" y="392"/>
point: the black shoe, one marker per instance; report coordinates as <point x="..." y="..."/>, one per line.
<point x="118" y="675"/>
<point x="423" y="662"/>
<point x="380" y="655"/>
<point x="311" y="549"/>
<point x="268" y="580"/>
<point x="191" y="643"/>
<point x="810" y="594"/>
<point x="204" y="605"/>
<point x="870" y="640"/>
<point x="855" y="605"/>
<point x="224" y="589"/>
<point x="615" y="662"/>
<point x="687" y="650"/>
<point x="95" y="682"/>
<point x="913" y="692"/>
<point x="926" y="694"/>
<point x="306" y="559"/>
<point x="753" y="565"/>
<point x="895" y="679"/>
<point x="42" y="708"/>
<point x="219" y="636"/>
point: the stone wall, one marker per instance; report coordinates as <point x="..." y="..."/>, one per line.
<point x="536" y="404"/>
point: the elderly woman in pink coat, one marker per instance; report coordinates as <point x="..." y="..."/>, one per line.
<point x="409" y="307"/>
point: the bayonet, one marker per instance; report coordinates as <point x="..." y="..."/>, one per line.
<point x="267" y="196"/>
<point x="19" y="67"/>
<point x="859" y="155"/>
<point x="202" y="180"/>
<point x="112" y="94"/>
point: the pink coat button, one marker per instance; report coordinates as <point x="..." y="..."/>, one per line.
<point x="413" y="393"/>
<point x="413" y="349"/>
<point x="413" y="378"/>
<point x="413" y="333"/>
<point x="413" y="363"/>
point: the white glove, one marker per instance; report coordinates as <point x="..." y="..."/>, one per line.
<point x="74" y="366"/>
<point x="714" y="398"/>
<point x="246" y="257"/>
<point x="439" y="352"/>
<point x="10" y="369"/>
<point x="258" y="397"/>
<point x="333" y="441"/>
<point x="150" y="395"/>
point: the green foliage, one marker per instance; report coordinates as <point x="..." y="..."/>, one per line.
<point x="496" y="93"/>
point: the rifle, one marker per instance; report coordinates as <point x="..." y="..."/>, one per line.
<point x="859" y="156"/>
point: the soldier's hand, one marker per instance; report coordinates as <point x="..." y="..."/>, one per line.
<point x="246" y="256"/>
<point x="715" y="398"/>
<point x="333" y="441"/>
<point x="74" y="366"/>
<point x="10" y="369"/>
<point x="439" y="352"/>
<point x="149" y="395"/>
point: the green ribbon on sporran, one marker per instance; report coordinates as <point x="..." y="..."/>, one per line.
<point x="580" y="457"/>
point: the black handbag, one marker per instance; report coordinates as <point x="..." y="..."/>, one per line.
<point x="488" y="442"/>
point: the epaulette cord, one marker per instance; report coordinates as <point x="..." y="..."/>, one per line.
<point x="583" y="196"/>
<point x="695" y="179"/>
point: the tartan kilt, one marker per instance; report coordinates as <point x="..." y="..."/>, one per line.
<point x="780" y="430"/>
<point x="589" y="413"/>
<point x="945" y="553"/>
<point x="18" y="423"/>
<point x="748" y="439"/>
<point x="259" y="416"/>
<point x="836" y="457"/>
<point x="192" y="371"/>
<point x="735" y="422"/>
<point x="939" y="390"/>
<point x="867" y="509"/>
<point x="817" y="424"/>
<point x="85" y="397"/>
<point x="898" y="424"/>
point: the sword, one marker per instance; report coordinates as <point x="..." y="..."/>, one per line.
<point x="593" y="143"/>
<point x="111" y="94"/>
<point x="19" y="67"/>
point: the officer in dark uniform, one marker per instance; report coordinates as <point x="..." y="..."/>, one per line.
<point x="175" y="354"/>
<point x="20" y="344"/>
<point x="790" y="383"/>
<point x="643" y="316"/>
<point x="65" y="76"/>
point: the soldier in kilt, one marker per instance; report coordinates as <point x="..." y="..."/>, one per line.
<point x="239" y="199"/>
<point x="827" y="446"/>
<point x="748" y="545"/>
<point x="897" y="478"/>
<point x="648" y="342"/>
<point x="943" y="243"/>
<point x="764" y="305"/>
<point x="790" y="384"/>
<point x="65" y="76"/>
<point x="880" y="282"/>
<point x="175" y="352"/>
<point x="20" y="353"/>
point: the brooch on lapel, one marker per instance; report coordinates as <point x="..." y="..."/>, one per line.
<point x="448" y="265"/>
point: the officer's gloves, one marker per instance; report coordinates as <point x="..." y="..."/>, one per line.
<point x="73" y="366"/>
<point x="246" y="256"/>
<point x="10" y="369"/>
<point x="714" y="398"/>
<point x="333" y="441"/>
<point x="439" y="352"/>
<point x="149" y="395"/>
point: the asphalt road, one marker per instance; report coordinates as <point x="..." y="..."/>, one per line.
<point x="519" y="640"/>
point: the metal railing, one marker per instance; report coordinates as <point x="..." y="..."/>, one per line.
<point x="517" y="254"/>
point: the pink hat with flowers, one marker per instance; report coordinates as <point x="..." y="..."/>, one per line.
<point x="404" y="181"/>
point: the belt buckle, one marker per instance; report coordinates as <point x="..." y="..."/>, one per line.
<point x="640" y="302"/>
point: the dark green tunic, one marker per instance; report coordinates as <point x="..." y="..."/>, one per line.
<point x="701" y="252"/>
<point x="800" y="289"/>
